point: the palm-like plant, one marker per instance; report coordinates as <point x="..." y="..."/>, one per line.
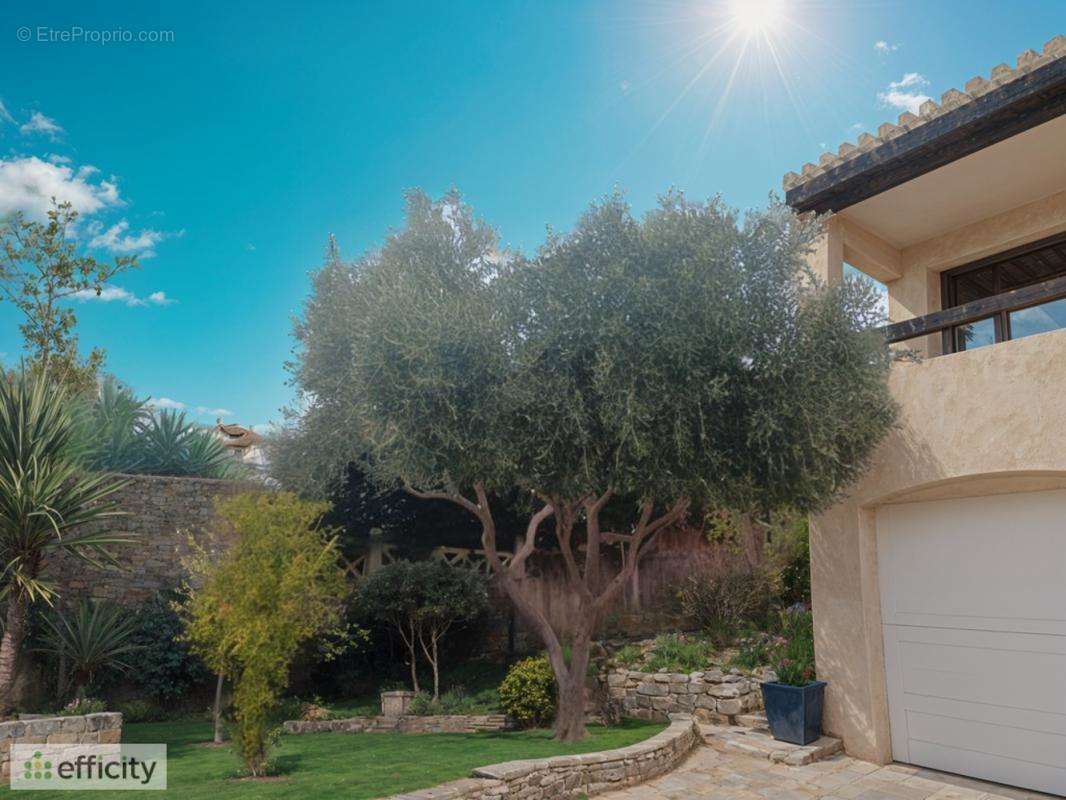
<point x="169" y="444"/>
<point x="108" y="425"/>
<point x="46" y="501"/>
<point x="94" y="637"/>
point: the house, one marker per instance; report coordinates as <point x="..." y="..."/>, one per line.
<point x="243" y="443"/>
<point x="939" y="584"/>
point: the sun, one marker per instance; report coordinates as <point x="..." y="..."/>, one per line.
<point x="755" y="16"/>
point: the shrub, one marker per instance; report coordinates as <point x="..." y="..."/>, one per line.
<point x="315" y="712"/>
<point x="794" y="664"/>
<point x="93" y="637"/>
<point x="421" y="601"/>
<point x="726" y="604"/>
<point x="793" y="553"/>
<point x="275" y="588"/>
<point x="455" y="701"/>
<point x="82" y="705"/>
<point x="142" y="711"/>
<point x="167" y="670"/>
<point x="629" y="656"/>
<point x="676" y="652"/>
<point x="755" y="649"/>
<point x="528" y="693"/>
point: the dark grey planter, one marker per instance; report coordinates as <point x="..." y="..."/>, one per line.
<point x="794" y="712"/>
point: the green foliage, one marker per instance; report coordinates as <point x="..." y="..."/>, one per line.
<point x="792" y="552"/>
<point x="40" y="269"/>
<point x="641" y="355"/>
<point x="274" y="588"/>
<point x="528" y="693"/>
<point x="755" y="649"/>
<point x="629" y="656"/>
<point x="119" y="433"/>
<point x="46" y="499"/>
<point x="794" y="663"/>
<point x="167" y="670"/>
<point x="95" y="636"/>
<point x="82" y="705"/>
<point x="676" y="652"/>
<point x="456" y="700"/>
<point x="169" y="444"/>
<point x="141" y="711"/>
<point x="724" y="605"/>
<point x="422" y="600"/>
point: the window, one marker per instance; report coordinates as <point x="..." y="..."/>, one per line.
<point x="1004" y="272"/>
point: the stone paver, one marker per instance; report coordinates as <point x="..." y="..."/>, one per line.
<point x="710" y="774"/>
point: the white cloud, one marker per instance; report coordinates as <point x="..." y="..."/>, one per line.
<point x="5" y="115"/>
<point x="55" y="158"/>
<point x="113" y="294"/>
<point x="625" y="86"/>
<point x="250" y="247"/>
<point x="159" y="403"/>
<point x="904" y="94"/>
<point x="884" y="48"/>
<point x="214" y="412"/>
<point x="118" y="239"/>
<point x="28" y="184"/>
<point x="39" y="123"/>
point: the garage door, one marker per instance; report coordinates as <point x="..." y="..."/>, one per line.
<point x="973" y="599"/>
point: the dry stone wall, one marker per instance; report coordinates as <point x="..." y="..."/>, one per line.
<point x="565" y="777"/>
<point x="159" y="513"/>
<point x="447" y="723"/>
<point x="711" y="696"/>
<point x="105" y="728"/>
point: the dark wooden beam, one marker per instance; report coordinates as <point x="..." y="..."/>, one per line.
<point x="1012" y="108"/>
<point x="1015" y="300"/>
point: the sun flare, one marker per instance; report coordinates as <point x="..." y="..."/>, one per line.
<point x="755" y="16"/>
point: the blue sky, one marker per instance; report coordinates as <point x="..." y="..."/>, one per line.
<point x="226" y="155"/>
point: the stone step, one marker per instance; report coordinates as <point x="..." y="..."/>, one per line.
<point x="756" y="720"/>
<point x="759" y="743"/>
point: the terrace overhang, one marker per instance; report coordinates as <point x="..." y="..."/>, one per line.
<point x="998" y="145"/>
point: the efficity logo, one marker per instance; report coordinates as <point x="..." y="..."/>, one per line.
<point x="89" y="766"/>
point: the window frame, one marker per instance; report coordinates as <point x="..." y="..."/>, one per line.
<point x="949" y="287"/>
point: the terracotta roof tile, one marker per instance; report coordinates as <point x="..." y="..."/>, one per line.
<point x="1027" y="61"/>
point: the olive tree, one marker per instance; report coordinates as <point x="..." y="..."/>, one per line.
<point x="653" y="366"/>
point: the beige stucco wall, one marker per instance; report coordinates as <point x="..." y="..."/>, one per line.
<point x="986" y="421"/>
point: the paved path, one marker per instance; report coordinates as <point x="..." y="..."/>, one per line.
<point x="711" y="775"/>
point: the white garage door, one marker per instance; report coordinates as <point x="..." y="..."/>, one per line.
<point x="973" y="599"/>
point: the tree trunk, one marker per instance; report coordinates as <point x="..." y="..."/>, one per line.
<point x="10" y="644"/>
<point x="570" y="708"/>
<point x="436" y="672"/>
<point x="217" y="711"/>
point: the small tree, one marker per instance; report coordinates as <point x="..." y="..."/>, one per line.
<point x="422" y="600"/>
<point x="93" y="637"/>
<point x="277" y="586"/>
<point x="630" y="371"/>
<point x="41" y="269"/>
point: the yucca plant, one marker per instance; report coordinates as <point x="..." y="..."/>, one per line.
<point x="47" y="500"/>
<point x="95" y="636"/>
<point x="109" y="421"/>
<point x="169" y="444"/>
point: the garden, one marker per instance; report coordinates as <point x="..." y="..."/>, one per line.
<point x="432" y="577"/>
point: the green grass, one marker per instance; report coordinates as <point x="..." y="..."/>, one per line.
<point x="350" y="766"/>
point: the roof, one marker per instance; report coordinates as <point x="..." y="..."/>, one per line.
<point x="237" y="435"/>
<point x="1009" y="101"/>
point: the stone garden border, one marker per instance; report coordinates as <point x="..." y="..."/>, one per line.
<point x="448" y="723"/>
<point x="713" y="695"/>
<point x="563" y="777"/>
<point x="103" y="728"/>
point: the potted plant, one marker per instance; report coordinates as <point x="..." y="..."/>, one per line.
<point x="794" y="701"/>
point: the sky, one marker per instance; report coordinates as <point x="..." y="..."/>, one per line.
<point x="223" y="143"/>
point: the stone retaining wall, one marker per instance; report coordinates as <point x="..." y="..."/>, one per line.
<point x="565" y="777"/>
<point x="711" y="696"/>
<point x="103" y="728"/>
<point x="450" y="723"/>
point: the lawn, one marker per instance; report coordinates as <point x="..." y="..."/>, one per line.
<point x="352" y="766"/>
